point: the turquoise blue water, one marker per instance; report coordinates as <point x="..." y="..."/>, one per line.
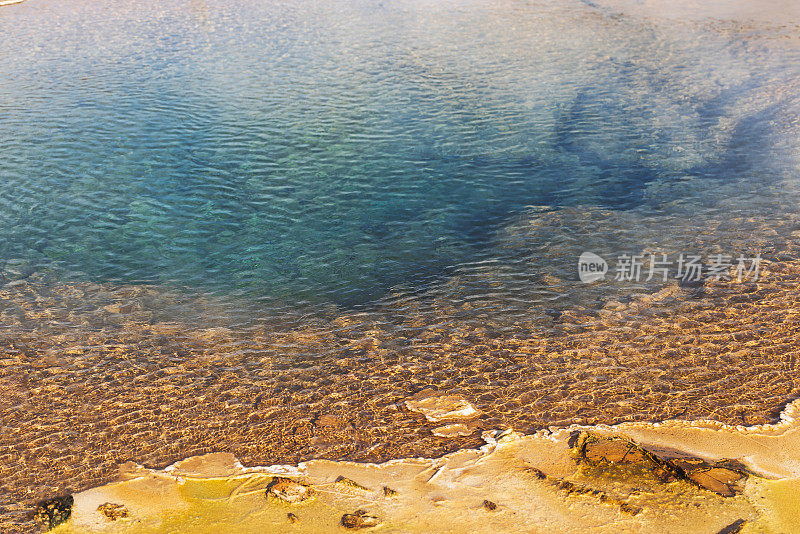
<point x="335" y="152"/>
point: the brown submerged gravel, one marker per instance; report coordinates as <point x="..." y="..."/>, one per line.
<point x="128" y="385"/>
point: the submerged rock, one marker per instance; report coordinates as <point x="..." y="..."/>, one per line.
<point x="328" y="421"/>
<point x="53" y="512"/>
<point x="453" y="430"/>
<point x="288" y="490"/>
<point x="444" y="407"/>
<point x="360" y="519"/>
<point x="113" y="511"/>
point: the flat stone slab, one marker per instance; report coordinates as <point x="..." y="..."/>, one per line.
<point x="442" y="408"/>
<point x="453" y="430"/>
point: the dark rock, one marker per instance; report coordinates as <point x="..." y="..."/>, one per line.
<point x="692" y="283"/>
<point x="489" y="505"/>
<point x="734" y="528"/>
<point x="53" y="512"/>
<point x="292" y="518"/>
<point x="350" y="483"/>
<point x="629" y="508"/>
<point x="288" y="490"/>
<point x="573" y="438"/>
<point x="725" y="477"/>
<point x="720" y="480"/>
<point x="612" y="451"/>
<point x="389" y="492"/>
<point x="113" y="511"/>
<point x="359" y="519"/>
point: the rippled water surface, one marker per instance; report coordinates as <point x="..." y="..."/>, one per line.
<point x="336" y="151"/>
<point x="221" y="220"/>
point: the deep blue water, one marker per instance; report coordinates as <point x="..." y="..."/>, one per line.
<point x="334" y="152"/>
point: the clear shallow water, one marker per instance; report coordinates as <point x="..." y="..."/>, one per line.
<point x="341" y="152"/>
<point x="181" y="183"/>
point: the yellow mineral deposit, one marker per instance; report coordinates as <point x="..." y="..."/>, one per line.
<point x="633" y="477"/>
